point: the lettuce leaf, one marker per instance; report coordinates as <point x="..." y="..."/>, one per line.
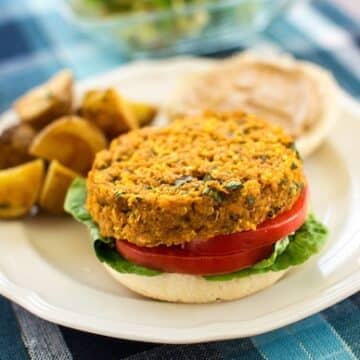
<point x="302" y="244"/>
<point x="75" y="202"/>
<point x="290" y="251"/>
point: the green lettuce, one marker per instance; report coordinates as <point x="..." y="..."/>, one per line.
<point x="289" y="251"/>
<point x="104" y="247"/>
<point x="300" y="246"/>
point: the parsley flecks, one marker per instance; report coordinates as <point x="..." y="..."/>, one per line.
<point x="214" y="194"/>
<point x="119" y="194"/>
<point x="293" y="166"/>
<point x="233" y="185"/>
<point x="250" y="200"/>
<point x="207" y="177"/>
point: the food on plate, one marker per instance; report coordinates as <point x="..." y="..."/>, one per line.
<point x="109" y="111"/>
<point x="144" y="112"/>
<point x="180" y="172"/>
<point x="19" y="188"/>
<point x="14" y="145"/>
<point x="57" y="181"/>
<point x="72" y="141"/>
<point x="48" y="101"/>
<point x="49" y="129"/>
<point x="211" y="207"/>
<point x="299" y="96"/>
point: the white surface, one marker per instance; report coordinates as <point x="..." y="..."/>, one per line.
<point x="47" y="264"/>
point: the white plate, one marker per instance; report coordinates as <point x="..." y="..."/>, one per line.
<point x="48" y="266"/>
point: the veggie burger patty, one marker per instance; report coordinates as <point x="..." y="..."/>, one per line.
<point x="196" y="178"/>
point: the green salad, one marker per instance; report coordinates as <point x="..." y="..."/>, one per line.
<point x="127" y="6"/>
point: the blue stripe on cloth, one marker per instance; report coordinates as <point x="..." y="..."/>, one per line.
<point x="233" y="348"/>
<point x="356" y="300"/>
<point x="50" y="24"/>
<point x="85" y="346"/>
<point x="11" y="345"/>
<point x="345" y="319"/>
<point x="192" y="352"/>
<point x="33" y="33"/>
<point x="338" y="16"/>
<point x="312" y="338"/>
<point x="13" y="41"/>
<point x="296" y="42"/>
<point x="15" y="83"/>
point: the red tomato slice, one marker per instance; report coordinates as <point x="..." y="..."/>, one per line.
<point x="221" y="254"/>
<point x="266" y="233"/>
<point x="175" y="259"/>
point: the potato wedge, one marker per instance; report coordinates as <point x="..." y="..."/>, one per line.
<point x="72" y="141"/>
<point x="57" y="181"/>
<point x="109" y="111"/>
<point x="14" y="145"/>
<point x="19" y="188"/>
<point x="144" y="113"/>
<point x="48" y="101"/>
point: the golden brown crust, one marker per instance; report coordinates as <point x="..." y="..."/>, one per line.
<point x="196" y="178"/>
<point x="14" y="145"/>
<point x="45" y="103"/>
<point x="108" y="110"/>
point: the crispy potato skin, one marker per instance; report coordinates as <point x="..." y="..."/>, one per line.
<point x="56" y="184"/>
<point x="72" y="141"/>
<point x="109" y="111"/>
<point x="196" y="178"/>
<point x="19" y="188"/>
<point x="45" y="103"/>
<point x="145" y="113"/>
<point x="14" y="145"/>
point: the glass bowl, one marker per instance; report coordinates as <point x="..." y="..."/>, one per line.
<point x="196" y="26"/>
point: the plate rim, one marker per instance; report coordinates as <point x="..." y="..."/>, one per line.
<point x="37" y="305"/>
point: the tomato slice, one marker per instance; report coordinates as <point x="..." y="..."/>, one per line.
<point x="221" y="254"/>
<point x="178" y="260"/>
<point x="266" y="233"/>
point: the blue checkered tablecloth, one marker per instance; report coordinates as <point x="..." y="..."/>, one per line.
<point x="35" y="41"/>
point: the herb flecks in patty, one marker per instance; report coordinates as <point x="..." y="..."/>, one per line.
<point x="215" y="194"/>
<point x="199" y="180"/>
<point x="233" y="185"/>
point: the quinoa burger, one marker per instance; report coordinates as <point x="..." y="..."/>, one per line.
<point x="211" y="207"/>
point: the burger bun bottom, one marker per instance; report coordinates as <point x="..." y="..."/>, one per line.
<point x="183" y="288"/>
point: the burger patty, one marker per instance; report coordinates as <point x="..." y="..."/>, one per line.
<point x="197" y="178"/>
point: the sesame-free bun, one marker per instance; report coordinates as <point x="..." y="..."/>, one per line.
<point x="182" y="288"/>
<point x="300" y="96"/>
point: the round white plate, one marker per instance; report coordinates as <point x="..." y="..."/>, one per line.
<point x="47" y="264"/>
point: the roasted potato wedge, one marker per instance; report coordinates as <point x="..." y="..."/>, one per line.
<point x="109" y="111"/>
<point x="19" y="188"/>
<point x="57" y="181"/>
<point x="48" y="101"/>
<point x="14" y="145"/>
<point x="144" y="113"/>
<point x="72" y="141"/>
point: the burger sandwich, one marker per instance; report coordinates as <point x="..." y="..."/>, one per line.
<point x="211" y="207"/>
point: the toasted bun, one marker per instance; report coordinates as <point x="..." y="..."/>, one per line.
<point x="183" y="288"/>
<point x="181" y="102"/>
<point x="311" y="139"/>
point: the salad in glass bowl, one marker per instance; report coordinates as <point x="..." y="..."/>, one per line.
<point x="165" y="27"/>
